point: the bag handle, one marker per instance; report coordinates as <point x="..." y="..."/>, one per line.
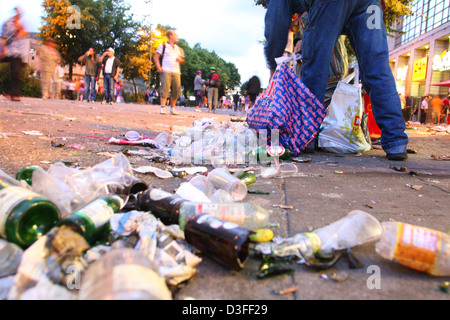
<point x="283" y="59"/>
<point x="353" y="75"/>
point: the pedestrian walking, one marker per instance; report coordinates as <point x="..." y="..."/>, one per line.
<point x="199" y="91"/>
<point x="253" y="88"/>
<point x="326" y="21"/>
<point x="213" y="91"/>
<point x="110" y="67"/>
<point x="11" y="51"/>
<point x="90" y="59"/>
<point x="168" y="58"/>
<point x="424" y="110"/>
<point x="436" y="105"/>
<point x="48" y="59"/>
<point x="58" y="79"/>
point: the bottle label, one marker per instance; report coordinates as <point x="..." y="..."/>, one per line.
<point x="98" y="212"/>
<point x="234" y="214"/>
<point x="275" y="151"/>
<point x="315" y="241"/>
<point x="157" y="195"/>
<point x="215" y="223"/>
<point x="9" y="198"/>
<point x="417" y="247"/>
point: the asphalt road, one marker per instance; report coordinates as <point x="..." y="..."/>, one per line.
<point x="329" y="188"/>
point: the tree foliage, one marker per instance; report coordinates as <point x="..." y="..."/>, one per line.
<point x="395" y="9"/>
<point x="110" y="23"/>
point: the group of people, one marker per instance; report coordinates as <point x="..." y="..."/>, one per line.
<point x="434" y="110"/>
<point x="48" y="64"/>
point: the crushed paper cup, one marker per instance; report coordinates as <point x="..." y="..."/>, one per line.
<point x="162" y="174"/>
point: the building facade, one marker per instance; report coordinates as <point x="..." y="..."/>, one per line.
<point x="420" y="56"/>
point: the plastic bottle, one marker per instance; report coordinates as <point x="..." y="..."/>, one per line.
<point x="25" y="215"/>
<point x="10" y="257"/>
<point x="91" y="220"/>
<point x="171" y="209"/>
<point x="123" y="274"/>
<point x="27" y="174"/>
<point x="357" y="228"/>
<point x="416" y="247"/>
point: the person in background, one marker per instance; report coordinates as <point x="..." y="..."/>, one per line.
<point x="436" y="105"/>
<point x="327" y="20"/>
<point x="198" y="89"/>
<point x="58" y="78"/>
<point x="424" y="110"/>
<point x="90" y="60"/>
<point x="11" y="50"/>
<point x="213" y="92"/>
<point x="110" y="74"/>
<point x="168" y="58"/>
<point x="446" y="110"/>
<point x="253" y="88"/>
<point x="49" y="58"/>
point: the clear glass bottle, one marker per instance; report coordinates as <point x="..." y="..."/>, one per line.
<point x="123" y="274"/>
<point x="25" y="215"/>
<point x="92" y="220"/>
<point x="416" y="247"/>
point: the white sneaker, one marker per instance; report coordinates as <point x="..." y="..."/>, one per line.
<point x="173" y="111"/>
<point x="163" y="110"/>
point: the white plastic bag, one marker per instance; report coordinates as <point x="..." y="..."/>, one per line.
<point x="342" y="131"/>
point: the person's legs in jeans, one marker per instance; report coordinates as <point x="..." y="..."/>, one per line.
<point x="87" y="86"/>
<point x="93" y="90"/>
<point x="16" y="82"/>
<point x="326" y="21"/>
<point x="370" y="45"/>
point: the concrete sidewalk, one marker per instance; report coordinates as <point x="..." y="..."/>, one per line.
<point x="329" y="188"/>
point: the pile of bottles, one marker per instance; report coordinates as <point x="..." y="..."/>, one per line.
<point x="124" y="238"/>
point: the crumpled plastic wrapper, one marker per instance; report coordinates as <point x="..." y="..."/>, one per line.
<point x="158" y="243"/>
<point x="44" y="264"/>
<point x="70" y="189"/>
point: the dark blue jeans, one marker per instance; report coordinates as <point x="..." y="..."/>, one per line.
<point x="108" y="88"/>
<point x="89" y="85"/>
<point x="362" y="22"/>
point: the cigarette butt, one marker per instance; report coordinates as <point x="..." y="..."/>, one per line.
<point x="283" y="207"/>
<point x="287" y="291"/>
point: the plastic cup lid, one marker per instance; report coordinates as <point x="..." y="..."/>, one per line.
<point x="132" y="136"/>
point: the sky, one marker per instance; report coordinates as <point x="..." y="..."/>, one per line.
<point x="231" y="28"/>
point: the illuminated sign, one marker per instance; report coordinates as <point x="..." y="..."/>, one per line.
<point x="401" y="73"/>
<point x="420" y="69"/>
<point x="441" y="62"/>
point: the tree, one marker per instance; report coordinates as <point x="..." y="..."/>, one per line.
<point x="72" y="38"/>
<point x="392" y="15"/>
<point x="394" y="10"/>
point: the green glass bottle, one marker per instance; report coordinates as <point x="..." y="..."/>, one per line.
<point x="92" y="220"/>
<point x="27" y="174"/>
<point x="25" y="216"/>
<point x="266" y="153"/>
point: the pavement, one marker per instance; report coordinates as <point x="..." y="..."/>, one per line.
<point x="328" y="188"/>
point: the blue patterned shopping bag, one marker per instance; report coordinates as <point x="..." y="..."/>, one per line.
<point x="288" y="106"/>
